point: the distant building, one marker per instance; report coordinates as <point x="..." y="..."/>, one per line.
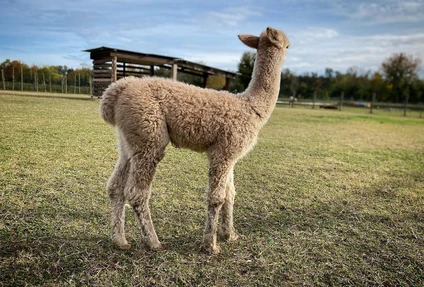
<point x="111" y="64"/>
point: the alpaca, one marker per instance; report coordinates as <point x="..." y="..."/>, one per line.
<point x="149" y="113"/>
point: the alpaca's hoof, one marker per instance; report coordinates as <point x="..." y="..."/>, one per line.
<point x="231" y="236"/>
<point x="125" y="246"/>
<point x="213" y="250"/>
<point x="161" y="247"/>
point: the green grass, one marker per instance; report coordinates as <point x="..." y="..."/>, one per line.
<point x="325" y="198"/>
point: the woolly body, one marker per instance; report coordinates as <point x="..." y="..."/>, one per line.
<point x="151" y="112"/>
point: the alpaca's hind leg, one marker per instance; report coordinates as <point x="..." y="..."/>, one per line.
<point x="138" y="191"/>
<point x="218" y="176"/>
<point x="115" y="189"/>
<point x="227" y="228"/>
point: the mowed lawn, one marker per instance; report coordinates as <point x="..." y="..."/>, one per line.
<point x="326" y="198"/>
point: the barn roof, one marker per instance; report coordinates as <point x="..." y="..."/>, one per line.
<point x="157" y="60"/>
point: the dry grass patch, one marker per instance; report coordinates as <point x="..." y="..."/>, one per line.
<point x="325" y="198"/>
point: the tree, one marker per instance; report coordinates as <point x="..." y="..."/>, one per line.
<point x="286" y="77"/>
<point x="162" y="72"/>
<point x="379" y="87"/>
<point x="417" y="91"/>
<point x="294" y="85"/>
<point x="329" y="73"/>
<point x="245" y="68"/>
<point x="399" y="71"/>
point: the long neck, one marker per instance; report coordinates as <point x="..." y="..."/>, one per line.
<point x="262" y="92"/>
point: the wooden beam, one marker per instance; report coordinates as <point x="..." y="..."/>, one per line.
<point x="104" y="71"/>
<point x="100" y="55"/>
<point x="174" y="71"/>
<point x="102" y="61"/>
<point x="102" y="66"/>
<point x="140" y="59"/>
<point x="183" y="70"/>
<point x="129" y="73"/>
<point x="114" y="69"/>
<point x="129" y="67"/>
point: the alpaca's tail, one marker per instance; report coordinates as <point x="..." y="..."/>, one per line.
<point x="108" y="102"/>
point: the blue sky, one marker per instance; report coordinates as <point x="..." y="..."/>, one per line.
<point x="338" y="34"/>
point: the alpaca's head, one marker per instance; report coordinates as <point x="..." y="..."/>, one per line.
<point x="271" y="39"/>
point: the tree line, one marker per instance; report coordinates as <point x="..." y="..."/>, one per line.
<point x="17" y="75"/>
<point x="395" y="81"/>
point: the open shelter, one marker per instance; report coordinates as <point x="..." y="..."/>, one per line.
<point x="110" y="64"/>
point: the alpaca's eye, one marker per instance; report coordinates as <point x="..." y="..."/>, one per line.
<point x="288" y="46"/>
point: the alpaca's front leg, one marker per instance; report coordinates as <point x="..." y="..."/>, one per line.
<point x="218" y="176"/>
<point x="227" y="228"/>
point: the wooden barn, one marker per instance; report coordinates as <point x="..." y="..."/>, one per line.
<point x="111" y="64"/>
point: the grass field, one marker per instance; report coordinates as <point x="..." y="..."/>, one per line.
<point x="326" y="198"/>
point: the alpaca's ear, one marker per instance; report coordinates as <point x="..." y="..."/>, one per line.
<point x="274" y="37"/>
<point x="249" y="40"/>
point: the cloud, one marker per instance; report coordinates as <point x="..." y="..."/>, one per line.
<point x="380" y="12"/>
<point x="323" y="33"/>
<point x="344" y="51"/>
<point x="313" y="35"/>
<point x="230" y="17"/>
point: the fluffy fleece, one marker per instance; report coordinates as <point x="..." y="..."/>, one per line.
<point x="151" y="112"/>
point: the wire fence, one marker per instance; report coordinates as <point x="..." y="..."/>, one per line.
<point x="377" y="108"/>
<point x="48" y="88"/>
<point x="364" y="107"/>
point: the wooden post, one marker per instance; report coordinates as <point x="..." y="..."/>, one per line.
<point x="50" y="82"/>
<point x="90" y="82"/>
<point x="152" y="70"/>
<point x="372" y="102"/>
<point x="124" y="70"/>
<point x="75" y="83"/>
<point x="66" y="82"/>
<point x="114" y="69"/>
<point x="315" y="97"/>
<point x="227" y="83"/>
<point x="205" y="79"/>
<point x="79" y="83"/>
<point x="341" y="101"/>
<point x="22" y="77"/>
<point x="174" y="71"/>
<point x="406" y="103"/>
<point x="2" y="77"/>
<point x="13" y="77"/>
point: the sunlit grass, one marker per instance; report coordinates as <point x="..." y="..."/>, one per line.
<point x="325" y="198"/>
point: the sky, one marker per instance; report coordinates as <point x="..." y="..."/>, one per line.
<point x="337" y="34"/>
